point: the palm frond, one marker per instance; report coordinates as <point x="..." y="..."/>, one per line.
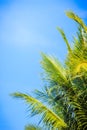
<point x="49" y="117"/>
<point x="81" y="114"/>
<point x="73" y="16"/>
<point x="76" y="61"/>
<point x="80" y="66"/>
<point x="54" y="69"/>
<point x="64" y="37"/>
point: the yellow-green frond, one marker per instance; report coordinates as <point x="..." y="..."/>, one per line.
<point x="37" y="107"/>
<point x="64" y="37"/>
<point x="73" y="16"/>
<point x="54" y="69"/>
<point x="80" y="66"/>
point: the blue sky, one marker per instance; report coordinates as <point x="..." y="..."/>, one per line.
<point x="28" y="27"/>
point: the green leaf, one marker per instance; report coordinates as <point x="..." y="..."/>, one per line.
<point x="37" y="107"/>
<point x="73" y="16"/>
<point x="64" y="37"/>
<point x="80" y="66"/>
<point x="54" y="69"/>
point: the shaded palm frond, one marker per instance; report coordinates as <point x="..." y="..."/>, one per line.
<point x="81" y="114"/>
<point x="48" y="116"/>
<point x="53" y="97"/>
<point x="49" y="93"/>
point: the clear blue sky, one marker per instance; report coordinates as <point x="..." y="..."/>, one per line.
<point x="28" y="27"/>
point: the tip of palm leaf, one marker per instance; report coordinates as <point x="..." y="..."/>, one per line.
<point x="64" y="37"/>
<point x="76" y="18"/>
<point x="16" y="94"/>
<point x="69" y="14"/>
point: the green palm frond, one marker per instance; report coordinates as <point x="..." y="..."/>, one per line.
<point x="81" y="114"/>
<point x="80" y="66"/>
<point x="77" y="66"/>
<point x="73" y="16"/>
<point x="77" y="60"/>
<point x="54" y="69"/>
<point x="64" y="37"/>
<point x="32" y="127"/>
<point x="79" y="40"/>
<point x="49" y="117"/>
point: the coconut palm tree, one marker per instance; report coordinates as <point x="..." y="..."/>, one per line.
<point x="63" y="103"/>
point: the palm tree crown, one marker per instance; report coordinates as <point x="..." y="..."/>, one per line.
<point x="63" y="103"/>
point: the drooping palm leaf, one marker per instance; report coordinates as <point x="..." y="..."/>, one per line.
<point x="49" y="117"/>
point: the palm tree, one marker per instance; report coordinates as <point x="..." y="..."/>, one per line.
<point x="63" y="103"/>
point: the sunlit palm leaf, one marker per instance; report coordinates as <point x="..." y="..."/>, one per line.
<point x="65" y="39"/>
<point x="80" y="66"/>
<point x="54" y="69"/>
<point x="73" y="16"/>
<point x="49" y="117"/>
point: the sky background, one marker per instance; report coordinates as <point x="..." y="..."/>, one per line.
<point x="28" y="27"/>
